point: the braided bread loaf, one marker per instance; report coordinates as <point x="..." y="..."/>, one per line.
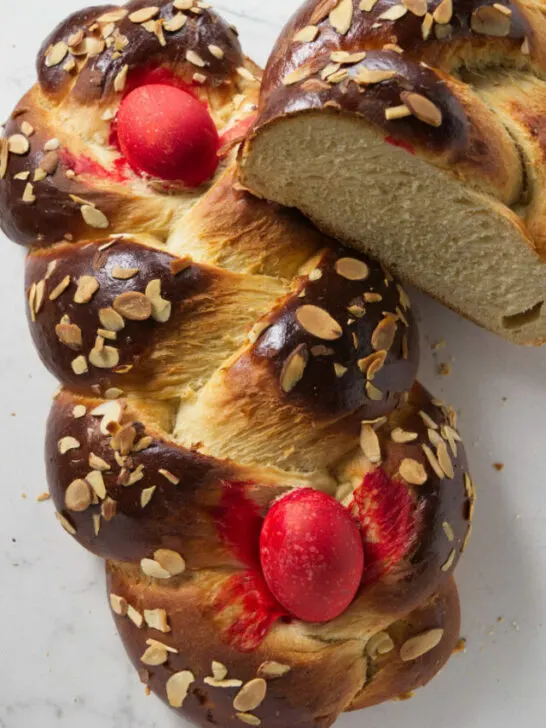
<point x="238" y="405"/>
<point x="412" y="129"/>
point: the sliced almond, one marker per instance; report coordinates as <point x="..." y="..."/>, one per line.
<point x="370" y="75"/>
<point x="96" y="481"/>
<point x="395" y="12"/>
<point x="420" y="644"/>
<point x="380" y="644"/>
<point x="169" y="476"/>
<point x="219" y="670"/>
<point x="178" y="686"/>
<point x="154" y="570"/>
<point x="52" y="145"/>
<point x="195" y="59"/>
<point x="133" y="306"/>
<point x="144" y="14"/>
<point x="445" y="460"/>
<point x="251" y="695"/>
<point x="367" y="5"/>
<point x="369" y="442"/>
<point x="121" y="79"/>
<point x="449" y="561"/>
<point x="373" y="392"/>
<point x="135" y="616"/>
<point x="397" y="112"/>
<point x="56" y="54"/>
<point x="402" y="436"/>
<point x="79" y="411"/>
<point x="448" y="530"/>
<point x="433" y="461"/>
<point x="105" y="358"/>
<point x="318" y="322"/>
<point x="111" y="319"/>
<point x="422" y="108"/>
<point x="78" y="496"/>
<point x="4" y="157"/>
<point x="306" y="35"/>
<point x="146" y="496"/>
<point x="295" y="76"/>
<point x="39" y="175"/>
<point x="352" y="269"/>
<point x="183" y="4"/>
<point x="177" y="22"/>
<point x="97" y="463"/>
<point x="66" y="444"/>
<point x="426" y="27"/>
<point x="161" y="308"/>
<point x="28" y="195"/>
<point x="119" y="605"/>
<point x="417" y="7"/>
<point x="272" y="670"/>
<point x="294" y="368"/>
<point x="70" y="335"/>
<point x="372" y="364"/>
<point x="246" y="74"/>
<point x="226" y="683"/>
<point x="341" y="16"/>
<point x="111" y="413"/>
<point x="170" y="561"/>
<point x="113" y="16"/>
<point x="384" y="333"/>
<point x="413" y="472"/>
<point x="124" y="439"/>
<point x="216" y="51"/>
<point x="94" y="217"/>
<point x="489" y="20"/>
<point x="79" y="365"/>
<point x="427" y="419"/>
<point x="87" y="287"/>
<point x="59" y="289"/>
<point x="443" y="12"/>
<point x="155" y="655"/>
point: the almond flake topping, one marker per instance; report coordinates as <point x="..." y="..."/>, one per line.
<point x="489" y="20"/>
<point x="420" y="644"/>
<point x="133" y="306"/>
<point x="369" y="442"/>
<point x="318" y="322"/>
<point x="68" y="443"/>
<point x="395" y="12"/>
<point x="94" y="217"/>
<point x="272" y="670"/>
<point x="307" y="34"/>
<point x="294" y="368"/>
<point x="77" y="496"/>
<point x="422" y="108"/>
<point x="18" y="144"/>
<point x="178" y="686"/>
<point x="144" y="14"/>
<point x="352" y="269"/>
<point x="341" y="16"/>
<point x="443" y="12"/>
<point x="177" y="22"/>
<point x="87" y="287"/>
<point x="417" y="7"/>
<point x="413" y="472"/>
<point x="251" y="695"/>
<point x="56" y="54"/>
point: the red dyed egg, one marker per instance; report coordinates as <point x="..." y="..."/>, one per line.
<point x="166" y="133"/>
<point x="311" y="554"/>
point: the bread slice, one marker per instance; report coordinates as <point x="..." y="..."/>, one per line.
<point x="460" y="245"/>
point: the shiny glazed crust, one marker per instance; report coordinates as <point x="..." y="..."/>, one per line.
<point x="215" y="352"/>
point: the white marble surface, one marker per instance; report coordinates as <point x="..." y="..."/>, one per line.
<point x="61" y="665"/>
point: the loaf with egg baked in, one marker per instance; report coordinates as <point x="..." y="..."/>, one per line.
<point x="229" y="377"/>
<point x="411" y="130"/>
